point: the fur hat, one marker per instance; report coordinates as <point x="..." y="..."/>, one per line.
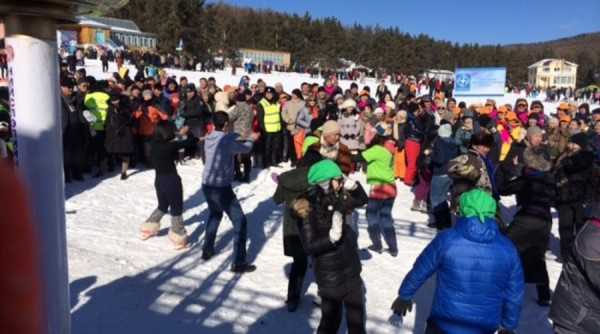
<point x="533" y="131"/>
<point x="330" y="127"/>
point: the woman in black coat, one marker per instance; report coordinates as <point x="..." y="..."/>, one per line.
<point x="290" y="186"/>
<point x="332" y="242"/>
<point x="534" y="187"/>
<point x="576" y="303"/>
<point x="119" y="136"/>
<point x="75" y="131"/>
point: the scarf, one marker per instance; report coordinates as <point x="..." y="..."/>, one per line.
<point x="329" y="152"/>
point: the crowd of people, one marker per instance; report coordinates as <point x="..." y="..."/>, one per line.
<point x="459" y="159"/>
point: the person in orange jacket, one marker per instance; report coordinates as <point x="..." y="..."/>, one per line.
<point x="148" y="115"/>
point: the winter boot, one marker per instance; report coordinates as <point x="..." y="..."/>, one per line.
<point x="177" y="233"/>
<point x="375" y="236"/>
<point x="543" y="292"/>
<point x="422" y="207"/>
<point x="389" y="234"/>
<point x="151" y="227"/>
<point x="415" y="205"/>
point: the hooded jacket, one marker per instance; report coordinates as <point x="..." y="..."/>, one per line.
<point x="479" y="278"/>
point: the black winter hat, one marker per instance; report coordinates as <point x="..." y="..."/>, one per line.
<point x="482" y="138"/>
<point x="581" y="139"/>
<point x="191" y="87"/>
<point x="66" y="81"/>
<point x="298" y="93"/>
<point x="270" y="90"/>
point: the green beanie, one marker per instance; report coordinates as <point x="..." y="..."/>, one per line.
<point x="477" y="203"/>
<point x="322" y="171"/>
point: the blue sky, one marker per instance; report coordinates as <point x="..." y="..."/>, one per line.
<point x="463" y="21"/>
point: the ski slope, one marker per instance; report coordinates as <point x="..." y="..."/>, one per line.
<point x="121" y="285"/>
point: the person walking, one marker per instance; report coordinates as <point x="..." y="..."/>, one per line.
<point x="220" y="149"/>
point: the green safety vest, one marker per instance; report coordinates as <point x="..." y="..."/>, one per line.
<point x="272" y="117"/>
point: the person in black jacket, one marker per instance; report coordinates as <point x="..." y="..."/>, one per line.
<point x="196" y="115"/>
<point x="329" y="239"/>
<point x="573" y="172"/>
<point x="576" y="303"/>
<point x="533" y="184"/>
<point x="119" y="140"/>
<point x="167" y="183"/>
<point x="75" y="133"/>
<point x="290" y="185"/>
<point x="444" y="150"/>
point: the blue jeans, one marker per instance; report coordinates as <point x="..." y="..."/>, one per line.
<point x="379" y="219"/>
<point x="223" y="199"/>
<point x="440" y="187"/>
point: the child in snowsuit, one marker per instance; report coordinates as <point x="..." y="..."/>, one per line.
<point x="327" y="236"/>
<point x="167" y="183"/>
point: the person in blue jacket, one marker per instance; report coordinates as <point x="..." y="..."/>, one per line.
<point x="479" y="276"/>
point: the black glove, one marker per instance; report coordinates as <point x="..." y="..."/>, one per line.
<point x="401" y="306"/>
<point x="505" y="331"/>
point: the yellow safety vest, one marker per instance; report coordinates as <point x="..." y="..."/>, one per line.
<point x="97" y="103"/>
<point x="272" y="117"/>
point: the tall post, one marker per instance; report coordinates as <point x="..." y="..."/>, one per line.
<point x="36" y="119"/>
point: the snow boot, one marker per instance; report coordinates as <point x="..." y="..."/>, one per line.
<point x="389" y="234"/>
<point x="177" y="233"/>
<point x="151" y="227"/>
<point x="375" y="236"/>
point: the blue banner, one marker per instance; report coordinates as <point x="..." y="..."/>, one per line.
<point x="484" y="81"/>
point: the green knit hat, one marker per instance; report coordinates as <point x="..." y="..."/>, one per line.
<point x="322" y="171"/>
<point x="477" y="203"/>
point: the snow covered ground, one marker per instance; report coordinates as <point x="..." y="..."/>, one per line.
<point x="120" y="284"/>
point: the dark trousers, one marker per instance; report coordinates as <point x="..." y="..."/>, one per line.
<point x="432" y="328"/>
<point x="98" y="150"/>
<point x="273" y="149"/>
<point x="380" y="222"/>
<point x="353" y="299"/>
<point x="296" y="279"/>
<point x="243" y="167"/>
<point x="104" y="66"/>
<point x="169" y="193"/>
<point x="223" y="200"/>
<point x="530" y="236"/>
<point x="289" y="152"/>
<point x="570" y="220"/>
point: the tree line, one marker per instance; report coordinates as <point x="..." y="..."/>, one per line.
<point x="217" y="28"/>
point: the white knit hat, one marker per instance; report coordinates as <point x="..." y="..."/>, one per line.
<point x="349" y="103"/>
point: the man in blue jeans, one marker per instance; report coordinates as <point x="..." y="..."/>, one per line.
<point x="220" y="149"/>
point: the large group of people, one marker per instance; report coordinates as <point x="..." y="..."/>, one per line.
<point x="459" y="160"/>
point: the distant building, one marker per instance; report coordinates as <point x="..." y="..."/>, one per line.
<point x="261" y="56"/>
<point x="557" y="73"/>
<point x="106" y="31"/>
